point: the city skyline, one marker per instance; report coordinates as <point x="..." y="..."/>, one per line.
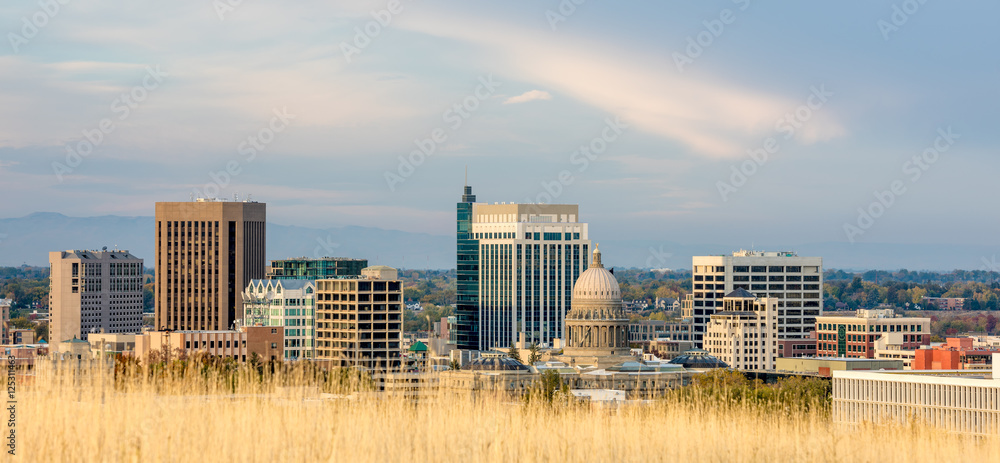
<point x="666" y="106"/>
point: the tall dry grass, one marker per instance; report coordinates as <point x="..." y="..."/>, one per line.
<point x="194" y="414"/>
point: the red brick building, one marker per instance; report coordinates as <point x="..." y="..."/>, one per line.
<point x="956" y="354"/>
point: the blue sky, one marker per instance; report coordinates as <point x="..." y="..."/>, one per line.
<point x="889" y="84"/>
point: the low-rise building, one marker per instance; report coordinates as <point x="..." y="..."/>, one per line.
<point x="744" y="333"/>
<point x="957" y="401"/>
<point x="666" y="349"/>
<point x="825" y="366"/>
<point x="112" y="343"/>
<point x="945" y="303"/>
<point x="846" y="336"/>
<point x="647" y="330"/>
<point x="5" y="319"/>
<point x="265" y="341"/>
<point x="22" y="336"/>
<point x="801" y="347"/>
<point x="955" y="354"/>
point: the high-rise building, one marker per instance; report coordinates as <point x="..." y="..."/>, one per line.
<point x="207" y="251"/>
<point x="743" y="333"/>
<point x="359" y="321"/>
<point x="5" y="319"/>
<point x="289" y="304"/>
<point x="516" y="267"/>
<point x="315" y="269"/>
<point x="796" y="282"/>
<point x="94" y="291"/>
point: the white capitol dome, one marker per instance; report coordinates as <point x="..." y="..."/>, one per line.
<point x="596" y="283"/>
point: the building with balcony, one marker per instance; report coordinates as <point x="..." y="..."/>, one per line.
<point x="302" y="268"/>
<point x="359" y="322"/>
<point x="289" y="304"/>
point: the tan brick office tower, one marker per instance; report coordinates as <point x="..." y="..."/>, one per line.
<point x="207" y="251"/>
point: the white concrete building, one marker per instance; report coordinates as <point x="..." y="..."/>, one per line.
<point x="964" y="401"/>
<point x="290" y="304"/>
<point x="796" y="282"/>
<point x="744" y="333"/>
<point x="529" y="257"/>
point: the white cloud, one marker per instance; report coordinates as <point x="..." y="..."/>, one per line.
<point x="531" y="95"/>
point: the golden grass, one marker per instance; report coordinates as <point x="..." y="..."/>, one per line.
<point x="88" y="418"/>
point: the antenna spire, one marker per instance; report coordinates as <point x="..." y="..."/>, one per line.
<point x="466" y="175"/>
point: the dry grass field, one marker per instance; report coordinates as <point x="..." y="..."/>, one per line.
<point x="200" y="416"/>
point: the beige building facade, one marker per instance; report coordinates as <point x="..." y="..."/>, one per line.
<point x="964" y="401"/>
<point x="207" y="251"/>
<point x="93" y="292"/>
<point x="267" y="342"/>
<point x="744" y="333"/>
<point x="796" y="282"/>
<point x="359" y="321"/>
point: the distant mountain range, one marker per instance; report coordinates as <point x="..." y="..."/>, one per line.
<point x="28" y="240"/>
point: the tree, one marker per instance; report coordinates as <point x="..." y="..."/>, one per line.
<point x="42" y="331"/>
<point x="454" y="365"/>
<point x="21" y="323"/>
<point x="534" y="356"/>
<point x="514" y="352"/>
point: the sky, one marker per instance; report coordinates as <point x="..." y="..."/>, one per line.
<point x="723" y="121"/>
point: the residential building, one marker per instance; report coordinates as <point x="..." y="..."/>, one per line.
<point x="846" y="336"/>
<point x="289" y="304"/>
<point x="945" y="303"/>
<point x="744" y="333"/>
<point x="667" y="303"/>
<point x="965" y="402"/>
<point x="801" y="347"/>
<point x="955" y="354"/>
<point x="516" y="265"/>
<point x="207" y="251"/>
<point x="239" y="344"/>
<point x="825" y="366"/>
<point x="92" y="292"/>
<point x="795" y="281"/>
<point x="359" y="322"/>
<point x="648" y="330"/>
<point x="315" y="269"/>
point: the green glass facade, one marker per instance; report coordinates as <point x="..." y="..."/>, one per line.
<point x="315" y="269"/>
<point x="467" y="276"/>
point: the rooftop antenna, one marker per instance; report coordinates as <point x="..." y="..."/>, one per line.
<point x="466" y="175"/>
<point x="192" y="197"/>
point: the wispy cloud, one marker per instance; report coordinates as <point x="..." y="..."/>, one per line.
<point x="528" y="96"/>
